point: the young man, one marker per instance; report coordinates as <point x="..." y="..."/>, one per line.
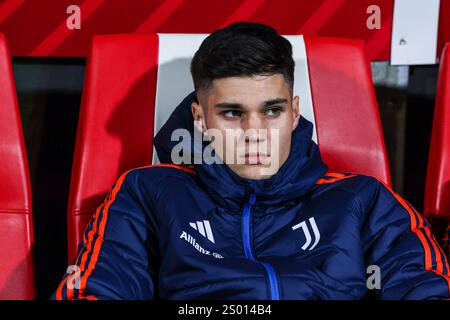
<point x="246" y="224"/>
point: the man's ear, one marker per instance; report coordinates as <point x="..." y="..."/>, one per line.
<point x="295" y="112"/>
<point x="199" y="116"/>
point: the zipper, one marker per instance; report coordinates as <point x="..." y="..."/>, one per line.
<point x="272" y="277"/>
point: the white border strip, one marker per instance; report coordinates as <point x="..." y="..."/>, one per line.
<point x="302" y="86"/>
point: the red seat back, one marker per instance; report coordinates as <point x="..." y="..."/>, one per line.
<point x="16" y="226"/>
<point x="437" y="190"/>
<point x="115" y="126"/>
<point x="348" y="124"/>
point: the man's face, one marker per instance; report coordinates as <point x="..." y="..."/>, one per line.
<point x="255" y="116"/>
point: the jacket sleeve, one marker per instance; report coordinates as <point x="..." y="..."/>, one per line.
<point x="117" y="257"/>
<point x="398" y="242"/>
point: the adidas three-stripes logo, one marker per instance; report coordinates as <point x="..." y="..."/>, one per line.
<point x="204" y="228"/>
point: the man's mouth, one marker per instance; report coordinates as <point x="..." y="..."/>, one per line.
<point x="256" y="158"/>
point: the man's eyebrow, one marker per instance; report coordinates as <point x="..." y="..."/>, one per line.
<point x="271" y="102"/>
<point x="239" y="106"/>
<point x="229" y="105"/>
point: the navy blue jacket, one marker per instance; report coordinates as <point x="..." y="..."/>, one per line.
<point x="202" y="232"/>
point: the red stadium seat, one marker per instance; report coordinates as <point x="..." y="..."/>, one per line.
<point x="16" y="226"/>
<point x="437" y="191"/>
<point x="133" y="82"/>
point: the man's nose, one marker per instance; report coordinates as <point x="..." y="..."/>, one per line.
<point x="254" y="128"/>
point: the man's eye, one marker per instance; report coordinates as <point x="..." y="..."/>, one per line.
<point x="232" y="113"/>
<point x="272" y="112"/>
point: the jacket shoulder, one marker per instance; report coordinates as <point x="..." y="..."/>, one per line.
<point x="351" y="181"/>
<point x="363" y="188"/>
<point x="158" y="175"/>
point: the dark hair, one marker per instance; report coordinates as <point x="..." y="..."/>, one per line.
<point x="242" y="49"/>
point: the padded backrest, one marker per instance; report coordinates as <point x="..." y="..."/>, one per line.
<point x="437" y="190"/>
<point x="16" y="226"/>
<point x="133" y="83"/>
<point x="115" y="126"/>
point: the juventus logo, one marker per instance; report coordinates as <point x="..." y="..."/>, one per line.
<point x="305" y="229"/>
